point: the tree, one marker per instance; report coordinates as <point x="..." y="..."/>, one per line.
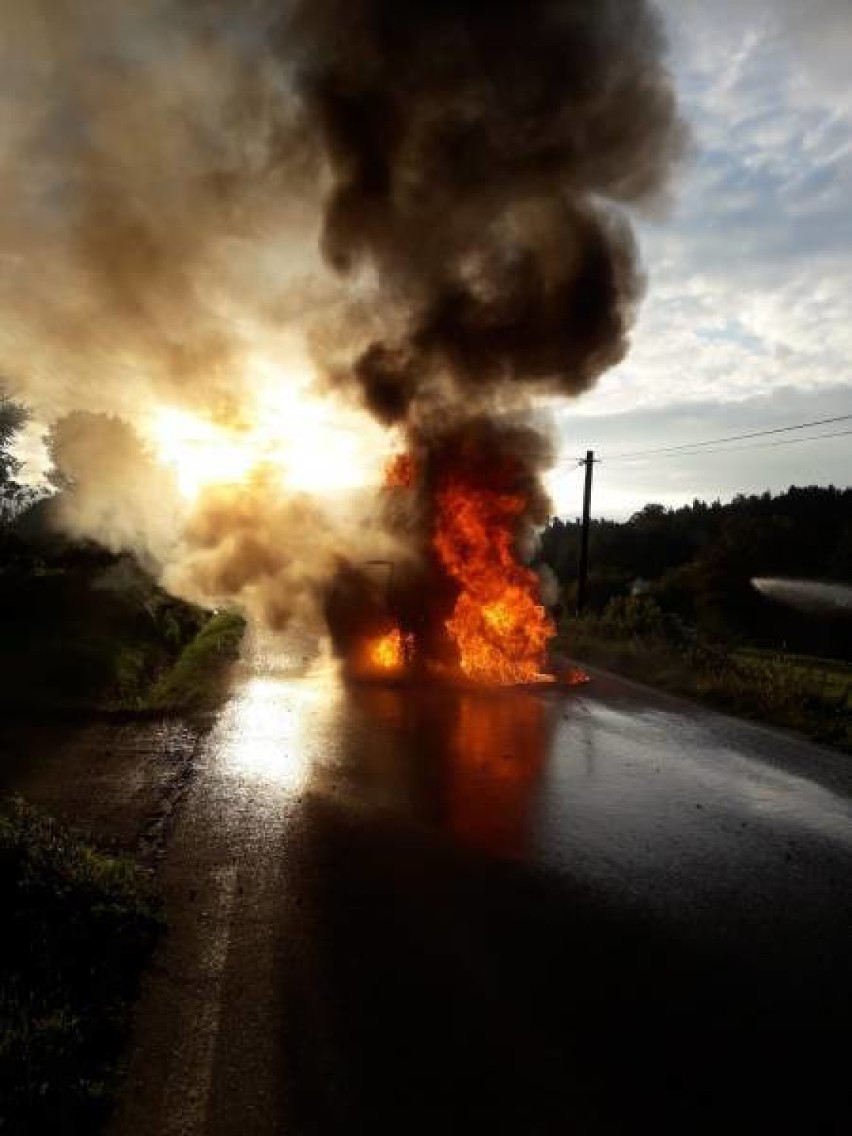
<point x="700" y="561"/>
<point x="12" y="494"/>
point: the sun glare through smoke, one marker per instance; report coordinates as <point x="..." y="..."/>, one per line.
<point x="319" y="447"/>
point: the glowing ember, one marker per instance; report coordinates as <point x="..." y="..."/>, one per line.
<point x="388" y="652"/>
<point x="498" y="626"/>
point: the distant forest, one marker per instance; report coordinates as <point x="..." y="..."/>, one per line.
<point x="697" y="563"/>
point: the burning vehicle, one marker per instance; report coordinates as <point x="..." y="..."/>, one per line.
<point x="465" y="607"/>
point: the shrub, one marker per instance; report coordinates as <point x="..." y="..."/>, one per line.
<point x="78" y="926"/>
<point x="633" y="615"/>
<point x="195" y="681"/>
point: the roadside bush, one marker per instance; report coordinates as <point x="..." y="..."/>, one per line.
<point x="91" y="634"/>
<point x="78" y="926"/>
<point x="196" y="680"/>
<point x="631" y="638"/>
<point x="633" y="615"/>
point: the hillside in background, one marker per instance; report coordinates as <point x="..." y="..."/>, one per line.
<point x="698" y="563"/>
<point x="87" y="631"/>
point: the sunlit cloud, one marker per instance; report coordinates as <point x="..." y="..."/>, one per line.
<point x="748" y="315"/>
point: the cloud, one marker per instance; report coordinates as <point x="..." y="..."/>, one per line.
<point x="751" y="466"/>
<point x="751" y="276"/>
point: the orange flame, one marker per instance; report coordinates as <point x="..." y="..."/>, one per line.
<point x="387" y="653"/>
<point x="499" y="627"/>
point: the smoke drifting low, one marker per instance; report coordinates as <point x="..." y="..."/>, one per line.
<point x="422" y="204"/>
<point x="274" y="551"/>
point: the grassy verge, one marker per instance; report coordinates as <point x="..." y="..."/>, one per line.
<point x="832" y="678"/>
<point x="812" y="696"/>
<point x="197" y="679"/>
<point x="87" y="638"/>
<point x="78" y="926"/>
<point x="86" y="632"/>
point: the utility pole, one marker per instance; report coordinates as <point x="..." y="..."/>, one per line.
<point x="583" y="566"/>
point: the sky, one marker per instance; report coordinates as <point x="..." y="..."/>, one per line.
<point x="747" y="319"/>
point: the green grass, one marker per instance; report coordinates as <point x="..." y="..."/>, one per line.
<point x="78" y="926"/>
<point x="134" y="651"/>
<point x="812" y="696"/>
<point x="831" y="677"/>
<point x="197" y="679"/>
<point x="88" y="640"/>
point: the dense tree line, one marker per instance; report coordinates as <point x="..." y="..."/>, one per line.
<point x="698" y="562"/>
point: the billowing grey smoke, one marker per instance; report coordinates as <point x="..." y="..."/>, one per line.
<point x="477" y="150"/>
<point x="432" y="196"/>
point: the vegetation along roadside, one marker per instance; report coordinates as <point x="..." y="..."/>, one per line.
<point x="632" y="637"/>
<point x="78" y="927"/>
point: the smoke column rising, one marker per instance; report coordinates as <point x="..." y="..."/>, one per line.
<point x="478" y="152"/>
<point x="428" y="198"/>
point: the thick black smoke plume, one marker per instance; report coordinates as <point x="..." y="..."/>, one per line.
<point x="431" y="196"/>
<point x="478" y="154"/>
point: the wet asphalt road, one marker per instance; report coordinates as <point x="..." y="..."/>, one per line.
<point x="582" y="911"/>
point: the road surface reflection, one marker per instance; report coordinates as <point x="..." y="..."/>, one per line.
<point x="467" y="761"/>
<point x="496" y="755"/>
<point x="263" y="733"/>
<point x="648" y="803"/>
<point x="435" y="909"/>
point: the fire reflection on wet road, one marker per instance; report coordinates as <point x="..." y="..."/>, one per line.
<point x="413" y="909"/>
<point x="496" y="753"/>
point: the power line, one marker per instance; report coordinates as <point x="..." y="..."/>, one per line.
<point x="694" y="449"/>
<point x="740" y="449"/>
<point x="731" y="438"/>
